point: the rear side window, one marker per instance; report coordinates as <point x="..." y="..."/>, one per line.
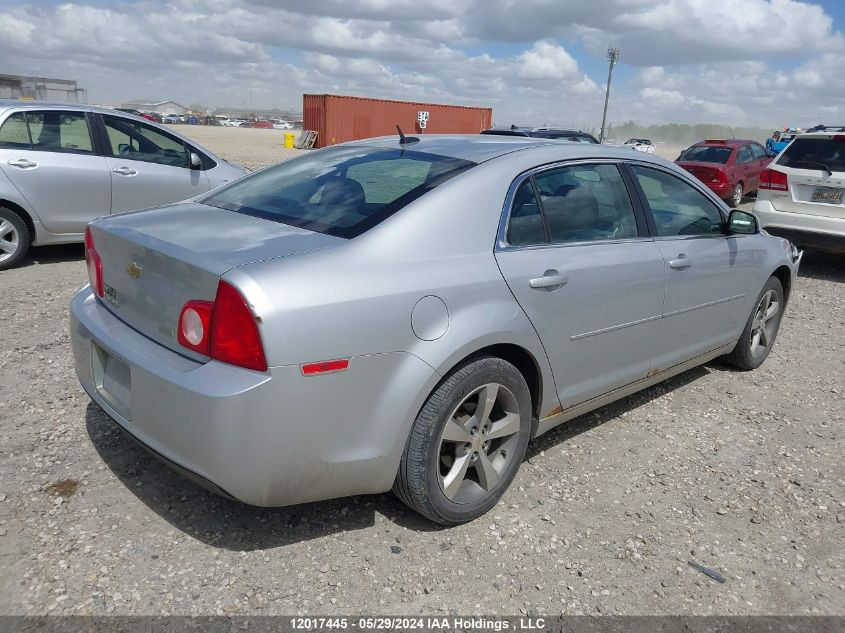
<point x="814" y="153"/>
<point x="14" y="133"/>
<point x="581" y="203"/>
<point x="586" y="203"/>
<point x="744" y="155"/>
<point x="48" y="131"/>
<point x="526" y="224"/>
<point x="677" y="207"/>
<point x="341" y="191"/>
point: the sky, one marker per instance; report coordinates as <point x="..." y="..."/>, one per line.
<point x="764" y="63"/>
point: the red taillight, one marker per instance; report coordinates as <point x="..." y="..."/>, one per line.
<point x="94" y="264"/>
<point x="839" y="138"/>
<point x="776" y="180"/>
<point x="195" y="326"/>
<point x="224" y="329"/>
<point x="234" y="332"/>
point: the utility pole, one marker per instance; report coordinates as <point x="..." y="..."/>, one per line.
<point x="613" y="57"/>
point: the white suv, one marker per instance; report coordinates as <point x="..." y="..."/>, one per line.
<point x="802" y="193"/>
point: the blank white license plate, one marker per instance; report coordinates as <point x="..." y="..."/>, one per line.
<point x="828" y="195"/>
<point x="112" y="379"/>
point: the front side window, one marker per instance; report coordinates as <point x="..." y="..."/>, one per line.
<point x="677" y="207"/>
<point x="341" y="191"/>
<point x="14" y="133"/>
<point x="59" y="131"/>
<point x="586" y="203"/>
<point x="134" y="140"/>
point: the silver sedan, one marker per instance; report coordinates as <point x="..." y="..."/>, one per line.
<point x="62" y="165"/>
<point x="409" y="313"/>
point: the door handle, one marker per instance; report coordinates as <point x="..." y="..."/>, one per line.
<point x="23" y="163"/>
<point x="549" y="280"/>
<point x="125" y="171"/>
<point x="681" y="263"/>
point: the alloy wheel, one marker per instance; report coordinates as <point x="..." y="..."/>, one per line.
<point x="9" y="240"/>
<point x="764" y="324"/>
<point x="478" y="442"/>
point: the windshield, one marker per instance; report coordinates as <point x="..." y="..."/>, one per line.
<point x="814" y="153"/>
<point x="707" y="154"/>
<point x="341" y="191"/>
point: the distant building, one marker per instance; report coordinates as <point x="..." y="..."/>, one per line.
<point x="159" y="107"/>
<point x="41" y="89"/>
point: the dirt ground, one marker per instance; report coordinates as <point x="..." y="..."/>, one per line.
<point x="740" y="472"/>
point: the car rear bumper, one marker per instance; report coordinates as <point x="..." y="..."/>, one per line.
<point x="722" y="190"/>
<point x="265" y="438"/>
<point x="805" y="230"/>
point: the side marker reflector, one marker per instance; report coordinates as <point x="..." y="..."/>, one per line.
<point x="325" y="367"/>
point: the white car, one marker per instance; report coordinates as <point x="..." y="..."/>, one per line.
<point x="282" y="125"/>
<point x="231" y="122"/>
<point x="640" y="144"/>
<point x="802" y="193"/>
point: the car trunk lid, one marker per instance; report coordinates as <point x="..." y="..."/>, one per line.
<point x="153" y="264"/>
<point x="706" y="172"/>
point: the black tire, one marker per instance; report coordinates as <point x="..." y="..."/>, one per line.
<point x="21" y="232"/>
<point x="735" y="199"/>
<point x="743" y="355"/>
<point x="418" y="482"/>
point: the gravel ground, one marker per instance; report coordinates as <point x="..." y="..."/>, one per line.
<point x="740" y="472"/>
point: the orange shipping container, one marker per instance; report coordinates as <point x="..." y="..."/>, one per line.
<point x="338" y="118"/>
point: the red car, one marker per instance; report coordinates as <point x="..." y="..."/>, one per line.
<point x="267" y="125"/>
<point x="731" y="168"/>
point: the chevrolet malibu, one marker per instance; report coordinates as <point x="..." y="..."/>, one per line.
<point x="408" y="313"/>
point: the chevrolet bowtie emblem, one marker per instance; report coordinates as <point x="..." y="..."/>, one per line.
<point x="134" y="270"/>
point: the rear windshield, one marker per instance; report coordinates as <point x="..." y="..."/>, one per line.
<point x="814" y="153"/>
<point x="342" y="191"/>
<point x="707" y="154"/>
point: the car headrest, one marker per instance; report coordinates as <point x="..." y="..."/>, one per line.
<point x="343" y="191"/>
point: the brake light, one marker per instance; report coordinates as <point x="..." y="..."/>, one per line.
<point x="775" y="180"/>
<point x="839" y="138"/>
<point x="94" y="264"/>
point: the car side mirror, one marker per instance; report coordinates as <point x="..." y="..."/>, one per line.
<point x="195" y="161"/>
<point x="742" y="223"/>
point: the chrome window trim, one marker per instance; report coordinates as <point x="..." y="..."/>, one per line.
<point x="502" y="245"/>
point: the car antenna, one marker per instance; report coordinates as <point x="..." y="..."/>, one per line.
<point x="405" y="140"/>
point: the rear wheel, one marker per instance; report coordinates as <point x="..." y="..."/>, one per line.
<point x="761" y="329"/>
<point x="14" y="238"/>
<point x="736" y="196"/>
<point x="467" y="442"/>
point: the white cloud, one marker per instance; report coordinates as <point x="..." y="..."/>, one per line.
<point x="694" y="59"/>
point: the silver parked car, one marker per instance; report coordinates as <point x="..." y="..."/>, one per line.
<point x="408" y="314"/>
<point x="62" y="165"/>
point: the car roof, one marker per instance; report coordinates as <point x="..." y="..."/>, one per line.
<point x="729" y="142"/>
<point x="479" y="148"/>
